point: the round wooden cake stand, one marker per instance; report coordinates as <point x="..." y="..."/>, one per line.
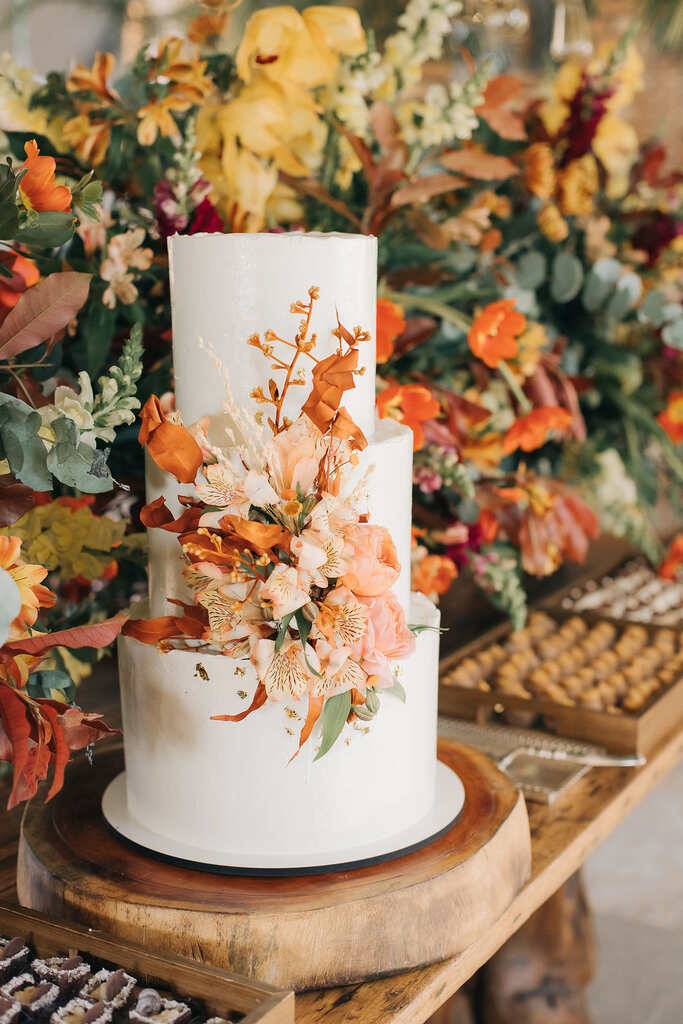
<point x="299" y="932"/>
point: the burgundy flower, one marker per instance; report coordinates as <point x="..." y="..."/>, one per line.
<point x="656" y="231"/>
<point x="206" y="219"/>
<point x="170" y="220"/>
<point x="587" y="109"/>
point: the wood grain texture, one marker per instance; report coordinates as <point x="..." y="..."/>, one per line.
<point x="562" y="837"/>
<point x="301" y="932"/>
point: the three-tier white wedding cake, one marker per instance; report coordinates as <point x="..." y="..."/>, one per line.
<point x="232" y="794"/>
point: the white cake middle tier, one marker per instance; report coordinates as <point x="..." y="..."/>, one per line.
<point x="389" y="455"/>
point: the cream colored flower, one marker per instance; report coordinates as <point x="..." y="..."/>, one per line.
<point x="282" y="592"/>
<point x="285" y="673"/>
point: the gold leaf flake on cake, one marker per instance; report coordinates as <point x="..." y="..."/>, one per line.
<point x="200" y="671"/>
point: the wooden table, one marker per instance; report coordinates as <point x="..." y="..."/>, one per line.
<point x="563" y="836"/>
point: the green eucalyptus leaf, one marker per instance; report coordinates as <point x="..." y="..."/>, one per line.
<point x="653" y="307"/>
<point x="335" y="712"/>
<point x="600" y="283"/>
<point x="42" y="683"/>
<point x="74" y="463"/>
<point x="532" y="270"/>
<point x="567" y="277"/>
<point x="626" y="296"/>
<point x="49" y="228"/>
<point x="673" y="334"/>
<point x="21" y="445"/>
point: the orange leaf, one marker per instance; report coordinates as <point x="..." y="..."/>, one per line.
<point x="477" y="164"/>
<point x="424" y="189"/>
<point x="17" y="729"/>
<point x="171" y="445"/>
<point x="260" y="698"/>
<point x="151" y="631"/>
<point x="315" y="707"/>
<point x="60" y="749"/>
<point x="158" y="515"/>
<point x="98" y="635"/>
<point x="345" y="428"/>
<point x="260" y="536"/>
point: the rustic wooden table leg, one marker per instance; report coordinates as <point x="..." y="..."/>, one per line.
<point x="539" y="976"/>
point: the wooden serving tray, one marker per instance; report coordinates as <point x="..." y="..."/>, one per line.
<point x="623" y="733"/>
<point x="221" y="993"/>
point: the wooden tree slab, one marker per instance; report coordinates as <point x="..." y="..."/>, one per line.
<point x="304" y="932"/>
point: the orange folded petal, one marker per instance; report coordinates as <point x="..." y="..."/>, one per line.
<point x="171" y="445"/>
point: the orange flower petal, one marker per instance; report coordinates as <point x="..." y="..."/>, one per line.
<point x="38" y="188"/>
<point x="531" y="431"/>
<point x="171" y="445"/>
<point x="391" y="323"/>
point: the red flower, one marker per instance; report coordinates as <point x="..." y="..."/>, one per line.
<point x="206" y="219"/>
<point x="671" y="418"/>
<point x="493" y="335"/>
<point x="674" y="557"/>
<point x="531" y="431"/>
<point x="391" y="323"/>
<point x="24" y="274"/>
<point x="38" y="188"/>
<point x="411" y="404"/>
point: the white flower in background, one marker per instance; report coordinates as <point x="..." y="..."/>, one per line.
<point x="123" y="252"/>
<point x="424" y="26"/>
<point x="76" y="406"/>
<point x="442" y="116"/>
<point x="614" y="486"/>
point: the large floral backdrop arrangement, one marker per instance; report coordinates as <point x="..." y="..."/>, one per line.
<point x="529" y="326"/>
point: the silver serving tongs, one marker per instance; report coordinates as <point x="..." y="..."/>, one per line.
<point x="592" y="760"/>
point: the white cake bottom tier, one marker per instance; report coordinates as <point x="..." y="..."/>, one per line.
<point x="389" y="455"/>
<point x="230" y="786"/>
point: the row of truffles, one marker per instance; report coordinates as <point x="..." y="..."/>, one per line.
<point x="635" y="593"/>
<point x="602" y="667"/>
<point x="66" y="990"/>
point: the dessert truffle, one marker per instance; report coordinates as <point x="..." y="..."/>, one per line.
<point x="68" y="972"/>
<point x="113" y="988"/>
<point x="14" y="955"/>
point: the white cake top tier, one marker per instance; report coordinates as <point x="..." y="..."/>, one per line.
<point x="225" y="288"/>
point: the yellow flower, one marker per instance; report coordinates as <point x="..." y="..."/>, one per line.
<point x="616" y="146"/>
<point x="628" y="77"/>
<point x="43" y="551"/>
<point x="78" y="670"/>
<point x="88" y="139"/>
<point x="539" y="170"/>
<point x="578" y="184"/>
<point x="156" y="117"/>
<point x="555" y="111"/>
<point x="552" y="224"/>
<point x="287" y="47"/>
<point x="531" y="343"/>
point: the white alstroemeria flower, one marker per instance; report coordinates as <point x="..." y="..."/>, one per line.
<point x="259" y="490"/>
<point x="220" y="488"/>
<point x="283" y="593"/>
<point x="285" y="674"/>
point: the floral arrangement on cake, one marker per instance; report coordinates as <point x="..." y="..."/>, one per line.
<point x="284" y="567"/>
<point x="529" y="323"/>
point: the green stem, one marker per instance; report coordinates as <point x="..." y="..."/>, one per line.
<point x="515" y="387"/>
<point x="428" y="305"/>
